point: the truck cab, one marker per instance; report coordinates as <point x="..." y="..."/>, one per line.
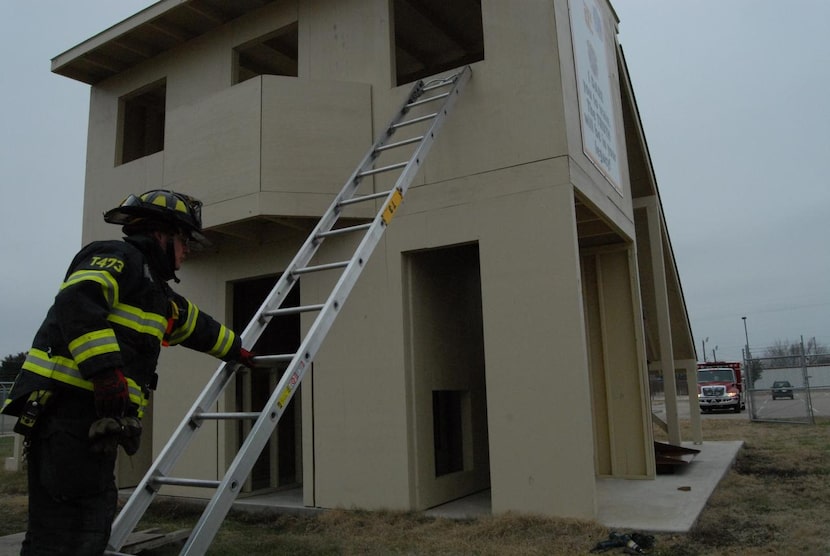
<point x="719" y="386"/>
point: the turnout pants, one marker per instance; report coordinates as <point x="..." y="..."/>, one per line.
<point x="72" y="492"/>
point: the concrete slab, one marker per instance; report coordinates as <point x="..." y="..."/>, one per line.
<point x="10" y="544"/>
<point x="669" y="503"/>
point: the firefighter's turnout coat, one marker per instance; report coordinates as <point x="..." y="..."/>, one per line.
<point x="115" y="310"/>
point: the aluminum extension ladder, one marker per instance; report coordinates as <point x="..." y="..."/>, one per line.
<point x="423" y="96"/>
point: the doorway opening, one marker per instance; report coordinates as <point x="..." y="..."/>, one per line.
<point x="446" y="365"/>
<point x="280" y="465"/>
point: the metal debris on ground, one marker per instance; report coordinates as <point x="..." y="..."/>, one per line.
<point x="631" y="543"/>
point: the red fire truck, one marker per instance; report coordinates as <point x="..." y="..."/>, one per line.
<point x="720" y="385"/>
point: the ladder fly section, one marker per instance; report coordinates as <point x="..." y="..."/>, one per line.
<point x="417" y="116"/>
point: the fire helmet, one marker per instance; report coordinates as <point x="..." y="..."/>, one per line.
<point x="159" y="208"/>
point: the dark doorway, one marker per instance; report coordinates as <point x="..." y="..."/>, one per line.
<point x="280" y="463"/>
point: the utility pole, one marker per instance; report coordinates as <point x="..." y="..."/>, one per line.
<point x="750" y="370"/>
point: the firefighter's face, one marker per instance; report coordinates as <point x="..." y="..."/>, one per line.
<point x="181" y="245"/>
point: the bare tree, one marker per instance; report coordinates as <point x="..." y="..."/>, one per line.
<point x="784" y="353"/>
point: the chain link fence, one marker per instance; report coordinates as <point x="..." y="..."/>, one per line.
<point x="790" y="388"/>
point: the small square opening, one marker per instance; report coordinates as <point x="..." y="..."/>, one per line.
<point x="272" y="54"/>
<point x="142" y="122"/>
<point x="448" y="427"/>
<point x="433" y="36"/>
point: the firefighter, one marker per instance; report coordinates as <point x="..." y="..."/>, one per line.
<point x="86" y="379"/>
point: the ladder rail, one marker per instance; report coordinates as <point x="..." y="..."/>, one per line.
<point x="143" y="495"/>
<point x="128" y="518"/>
<point x="236" y="474"/>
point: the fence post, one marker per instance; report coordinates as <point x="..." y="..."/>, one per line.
<point x="807" y="383"/>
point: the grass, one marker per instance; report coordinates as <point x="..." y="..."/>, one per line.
<point x="6" y="446"/>
<point x="775" y="500"/>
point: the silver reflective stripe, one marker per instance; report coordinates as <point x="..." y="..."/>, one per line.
<point x="185" y="329"/>
<point x="136" y="319"/>
<point x="223" y="343"/>
<point x="109" y="285"/>
<point x="66" y="370"/>
<point x="92" y="344"/>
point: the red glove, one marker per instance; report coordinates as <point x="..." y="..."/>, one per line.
<point x="111" y="393"/>
<point x="246" y="358"/>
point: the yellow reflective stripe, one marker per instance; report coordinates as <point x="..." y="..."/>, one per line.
<point x="185" y="329"/>
<point x="92" y="344"/>
<point x="58" y="368"/>
<point x="109" y="285"/>
<point x="136" y="395"/>
<point x="223" y="343"/>
<point x="138" y="320"/>
<point x="66" y="370"/>
<point x="174" y="310"/>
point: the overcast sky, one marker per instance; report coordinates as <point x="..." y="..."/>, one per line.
<point x="733" y="94"/>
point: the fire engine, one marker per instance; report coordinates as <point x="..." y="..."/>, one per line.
<point x="720" y="386"/>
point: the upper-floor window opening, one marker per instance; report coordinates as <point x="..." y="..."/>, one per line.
<point x="432" y="36"/>
<point x="273" y="54"/>
<point x="142" y="122"/>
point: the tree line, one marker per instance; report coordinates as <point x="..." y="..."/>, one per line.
<point x="788" y="354"/>
<point x="784" y="354"/>
<point x="10" y="366"/>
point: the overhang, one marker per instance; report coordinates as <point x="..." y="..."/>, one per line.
<point x="152" y="31"/>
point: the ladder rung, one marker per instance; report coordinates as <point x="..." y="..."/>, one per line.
<point x="383" y="169"/>
<point x="442" y="83"/>
<point x="320" y="267"/>
<point x="346" y="230"/>
<point x="414" y="120"/>
<point x="230" y="415"/>
<point x="362" y="198"/>
<point x="292" y="310"/>
<point x="399" y="143"/>
<point x="427" y="100"/>
<point x="201" y="483"/>
<point x="264" y="360"/>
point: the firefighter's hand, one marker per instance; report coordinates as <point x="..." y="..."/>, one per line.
<point x="103" y="436"/>
<point x="130" y="437"/>
<point x="107" y="433"/>
<point x="246" y="358"/>
<point x="111" y="393"/>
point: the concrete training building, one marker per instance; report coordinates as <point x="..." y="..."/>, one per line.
<point x="501" y="335"/>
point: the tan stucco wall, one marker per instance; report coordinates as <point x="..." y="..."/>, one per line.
<point x="503" y="175"/>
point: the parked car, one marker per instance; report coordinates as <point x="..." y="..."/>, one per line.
<point x="782" y="389"/>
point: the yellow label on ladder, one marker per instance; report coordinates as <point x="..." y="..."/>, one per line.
<point x="392" y="206"/>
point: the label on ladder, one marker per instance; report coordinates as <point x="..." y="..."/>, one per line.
<point x="392" y="206"/>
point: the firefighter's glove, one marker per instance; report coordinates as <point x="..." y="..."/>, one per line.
<point x="104" y="434"/>
<point x="246" y="358"/>
<point x="111" y="393"/>
<point x="130" y="437"/>
<point x="107" y="433"/>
